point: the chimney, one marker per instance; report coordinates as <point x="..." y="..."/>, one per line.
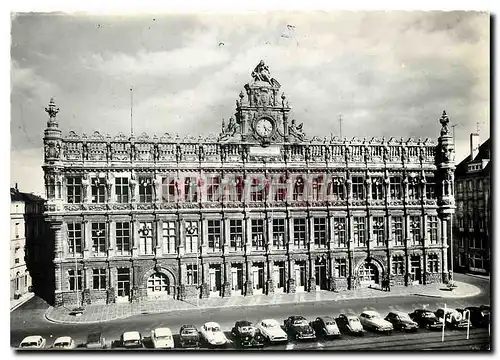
<point x="17" y="188"/>
<point x="474" y="145"/>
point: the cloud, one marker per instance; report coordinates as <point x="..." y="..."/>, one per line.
<point x="26" y="83"/>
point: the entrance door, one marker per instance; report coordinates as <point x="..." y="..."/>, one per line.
<point x="368" y="275"/>
<point x="320" y="274"/>
<point x="300" y="276"/>
<point x="158" y="287"/>
<point x="237" y="279"/>
<point x="415" y="272"/>
<point x="123" y="285"/>
<point x="279" y="277"/>
<point x="258" y="278"/>
<point x="215" y="280"/>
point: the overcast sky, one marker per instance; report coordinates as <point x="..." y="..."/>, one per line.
<point x="387" y="73"/>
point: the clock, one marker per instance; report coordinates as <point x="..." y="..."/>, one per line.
<point x="264" y="127"/>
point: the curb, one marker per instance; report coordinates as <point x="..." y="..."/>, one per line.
<point x="22" y="302"/>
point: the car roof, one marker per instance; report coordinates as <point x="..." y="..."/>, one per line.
<point x="131" y="335"/>
<point x="211" y="324"/>
<point x="399" y="313"/>
<point x="370" y="312"/>
<point x="63" y="339"/>
<point x="244" y="323"/>
<point x="270" y="321"/>
<point x="350" y="316"/>
<point x="94" y="337"/>
<point x="32" y="338"/>
<point x="324" y="318"/>
<point x="190" y="326"/>
<point x="165" y="331"/>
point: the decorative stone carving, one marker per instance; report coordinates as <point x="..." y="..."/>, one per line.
<point x="120" y="137"/>
<point x="262" y="73"/>
<point x="444" y="120"/>
<point x="296" y="131"/>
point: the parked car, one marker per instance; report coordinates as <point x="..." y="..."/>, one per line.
<point x="272" y="331"/>
<point x="189" y="336"/>
<point x="372" y="320"/>
<point x="298" y="328"/>
<point x="453" y="319"/>
<point x="401" y="321"/>
<point x="33" y="342"/>
<point x="162" y="338"/>
<point x="95" y="341"/>
<point x="246" y="334"/>
<point x="212" y="334"/>
<point x="131" y="339"/>
<point x="479" y="316"/>
<point x="349" y="324"/>
<point x="426" y="319"/>
<point x="64" y="343"/>
<point x="326" y="327"/>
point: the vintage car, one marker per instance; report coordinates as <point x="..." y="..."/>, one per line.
<point x="372" y="320"/>
<point x="189" y="337"/>
<point x="162" y="338"/>
<point x="64" y="343"/>
<point x="212" y="334"/>
<point x="453" y="319"/>
<point x="298" y="328"/>
<point x="246" y="334"/>
<point x="131" y="340"/>
<point x="95" y="341"/>
<point x="272" y="331"/>
<point x="479" y="316"/>
<point x="33" y="342"/>
<point x="426" y="319"/>
<point x="326" y="327"/>
<point x="401" y="321"/>
<point x="350" y="324"/>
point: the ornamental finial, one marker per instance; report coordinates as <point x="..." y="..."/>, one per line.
<point x="444" y="120"/>
<point x="52" y="110"/>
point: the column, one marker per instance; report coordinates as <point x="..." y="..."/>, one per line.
<point x="310" y="271"/>
<point x="270" y="282"/>
<point x="249" y="279"/>
<point x="59" y="253"/>
<point x="291" y="276"/>
<point x="425" y="237"/>
<point x="112" y="284"/>
<point x="331" y="272"/>
<point x="226" y="287"/>
<point x="444" y="242"/>
<point x="389" y="235"/>
<point x="369" y="229"/>
<point x="225" y="235"/>
<point x="247" y="224"/>
<point x="204" y="236"/>
<point x="111" y="235"/>
<point x="158" y="237"/>
<point x="310" y="232"/>
<point x="87" y="239"/>
<point x="407" y="242"/>
<point x="290" y="234"/>
<point x="135" y="237"/>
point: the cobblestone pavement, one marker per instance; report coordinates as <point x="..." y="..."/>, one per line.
<point x="103" y="313"/>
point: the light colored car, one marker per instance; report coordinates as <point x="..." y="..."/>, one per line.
<point x="372" y="320"/>
<point x="33" y="342"/>
<point x="212" y="334"/>
<point x="162" y="338"/>
<point x="131" y="339"/>
<point x="272" y="331"/>
<point x="64" y="343"/>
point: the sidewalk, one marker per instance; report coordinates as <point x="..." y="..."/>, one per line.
<point x="14" y="304"/>
<point x="103" y="313"/>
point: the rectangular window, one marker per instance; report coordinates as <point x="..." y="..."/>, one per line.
<point x="74" y="189"/>
<point x="168" y="190"/>
<point x="169" y="235"/>
<point x="257" y="189"/>
<point x="233" y="187"/>
<point x="145" y="189"/>
<point x="213" y="184"/>
<point x="395" y="187"/>
<point x="340" y="268"/>
<point x="192" y="274"/>
<point x="280" y="187"/>
<point x="123" y="238"/>
<point x="377" y="188"/>
<point x="414" y="192"/>
<point x="299" y="233"/>
<point x="336" y="189"/>
<point x="236" y="234"/>
<point x="397" y="265"/>
<point x="190" y="189"/>
<point x="75" y="282"/>
<point x="317" y="188"/>
<point x="98" y="189"/>
<point x="433" y="229"/>
<point x="430" y="190"/>
<point x="358" y="188"/>
<point x="298" y="189"/>
<point x="415" y="230"/>
<point x="278" y="233"/>
<point x="75" y="239"/>
<point x="214" y="235"/>
<point x="16" y="230"/>
<point x="379" y="230"/>
<point x="258" y="239"/>
<point x="320" y="232"/>
<point x="121" y="190"/>
<point x="191" y="235"/>
<point x="460" y="187"/>
<point x="397" y="230"/>
<point x="99" y="239"/>
<point x="99" y="279"/>
<point x="339" y="234"/>
<point x="433" y="263"/>
<point x="145" y="238"/>
<point x="359" y="231"/>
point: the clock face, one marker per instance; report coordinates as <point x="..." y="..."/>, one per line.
<point x="264" y="127"/>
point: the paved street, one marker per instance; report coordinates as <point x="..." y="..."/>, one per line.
<point x="29" y="319"/>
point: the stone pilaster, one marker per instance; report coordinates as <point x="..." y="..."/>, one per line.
<point x="270" y="282"/>
<point x="249" y="279"/>
<point x="310" y="271"/>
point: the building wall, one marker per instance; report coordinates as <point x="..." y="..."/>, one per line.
<point x="20" y="279"/>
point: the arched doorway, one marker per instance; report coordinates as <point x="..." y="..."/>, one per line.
<point x="158" y="286"/>
<point x="368" y="274"/>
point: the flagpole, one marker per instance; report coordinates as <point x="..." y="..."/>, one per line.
<point x="131" y="107"/>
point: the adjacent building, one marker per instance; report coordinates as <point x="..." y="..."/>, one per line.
<point x="257" y="209"/>
<point x="472" y="225"/>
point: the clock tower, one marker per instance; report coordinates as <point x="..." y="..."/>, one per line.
<point x="261" y="113"/>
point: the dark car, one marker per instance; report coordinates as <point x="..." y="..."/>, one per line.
<point x="95" y="341"/>
<point x="478" y="317"/>
<point x="189" y="337"/>
<point x="349" y="324"/>
<point x="247" y="335"/>
<point x="453" y="318"/>
<point x="298" y="328"/>
<point x="401" y="321"/>
<point x="326" y="327"/>
<point x="426" y="319"/>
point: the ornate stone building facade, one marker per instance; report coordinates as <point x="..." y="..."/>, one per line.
<point x="258" y="209"/>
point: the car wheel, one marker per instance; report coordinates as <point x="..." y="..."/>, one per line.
<point x="427" y="326"/>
